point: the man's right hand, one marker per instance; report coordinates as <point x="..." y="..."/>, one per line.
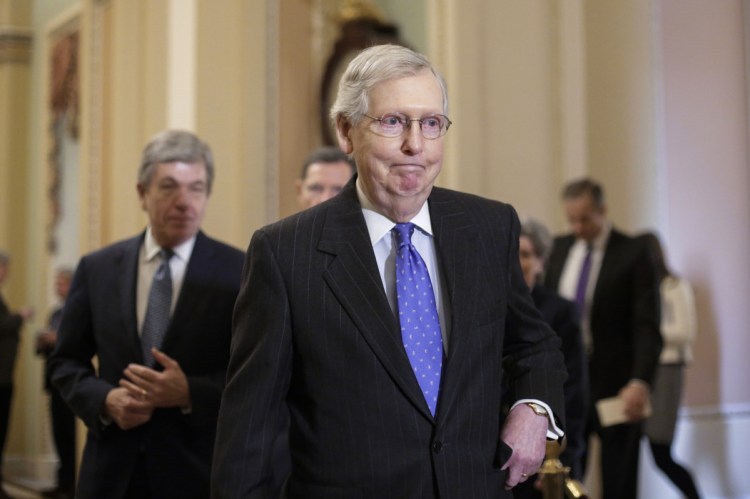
<point x="126" y="410"/>
<point x="635" y="395"/>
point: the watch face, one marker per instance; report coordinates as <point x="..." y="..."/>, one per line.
<point x="538" y="409"/>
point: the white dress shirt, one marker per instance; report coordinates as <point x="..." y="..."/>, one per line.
<point x="572" y="271"/>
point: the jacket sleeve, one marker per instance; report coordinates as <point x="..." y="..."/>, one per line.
<point x="253" y="411"/>
<point x="72" y="369"/>
<point x="533" y="362"/>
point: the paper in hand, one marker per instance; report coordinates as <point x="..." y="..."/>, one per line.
<point x="611" y="411"/>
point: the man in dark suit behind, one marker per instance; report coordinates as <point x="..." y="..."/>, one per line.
<point x="151" y="412"/>
<point x="324" y="174"/>
<point x="317" y="328"/>
<point x="619" y="302"/>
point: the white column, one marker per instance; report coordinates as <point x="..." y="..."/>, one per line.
<point x="181" y="64"/>
<point x="572" y="66"/>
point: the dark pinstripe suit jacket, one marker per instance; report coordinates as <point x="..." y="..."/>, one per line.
<point x="100" y="319"/>
<point x="314" y="335"/>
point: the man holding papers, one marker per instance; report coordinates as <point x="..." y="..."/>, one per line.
<point x="612" y="278"/>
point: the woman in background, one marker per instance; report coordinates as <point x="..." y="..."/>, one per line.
<point x="678" y="328"/>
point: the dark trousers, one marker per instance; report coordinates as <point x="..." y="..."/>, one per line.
<point x="678" y="474"/>
<point x="138" y="487"/>
<point x="620" y="446"/>
<point x="6" y="394"/>
<point x="64" y="435"/>
<point x="526" y="489"/>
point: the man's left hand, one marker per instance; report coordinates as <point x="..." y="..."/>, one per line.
<point x="526" y="433"/>
<point x="636" y="397"/>
<point x="167" y="388"/>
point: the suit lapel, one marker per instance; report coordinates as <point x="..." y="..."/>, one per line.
<point x="199" y="272"/>
<point x="609" y="261"/>
<point x="126" y="266"/>
<point x="455" y="235"/>
<point x="352" y="276"/>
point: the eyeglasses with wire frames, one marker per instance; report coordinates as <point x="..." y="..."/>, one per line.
<point x="393" y="125"/>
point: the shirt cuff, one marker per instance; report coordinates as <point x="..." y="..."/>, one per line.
<point x="553" y="431"/>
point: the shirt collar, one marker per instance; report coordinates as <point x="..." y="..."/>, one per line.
<point x="379" y="225"/>
<point x="152" y="248"/>
<point x="600" y="241"/>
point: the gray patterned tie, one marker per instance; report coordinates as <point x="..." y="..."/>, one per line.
<point x="157" y="312"/>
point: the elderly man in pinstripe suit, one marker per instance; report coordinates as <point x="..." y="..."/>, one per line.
<point x="320" y="325"/>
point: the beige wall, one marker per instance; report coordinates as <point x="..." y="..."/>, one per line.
<point x="537" y="100"/>
<point x="139" y="61"/>
<point x="236" y="104"/>
<point x="621" y="124"/>
<point x="500" y="61"/>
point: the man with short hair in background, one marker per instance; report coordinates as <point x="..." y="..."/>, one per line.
<point x="324" y="173"/>
<point x="156" y="310"/>
<point x="613" y="280"/>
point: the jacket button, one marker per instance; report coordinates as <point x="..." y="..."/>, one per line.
<point x="437" y="446"/>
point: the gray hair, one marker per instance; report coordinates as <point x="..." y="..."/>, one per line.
<point x="539" y="236"/>
<point x="175" y="145"/>
<point x="582" y="187"/>
<point x="376" y="65"/>
<point x="327" y="154"/>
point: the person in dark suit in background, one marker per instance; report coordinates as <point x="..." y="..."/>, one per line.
<point x="324" y="174"/>
<point x="612" y="277"/>
<point x="63" y="419"/>
<point x="10" y="329"/>
<point x="562" y="315"/>
<point x="156" y="311"/>
<point x="325" y="328"/>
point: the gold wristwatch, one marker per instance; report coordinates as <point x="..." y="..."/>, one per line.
<point x="538" y="409"/>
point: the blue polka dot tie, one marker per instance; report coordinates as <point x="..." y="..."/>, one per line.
<point x="418" y="316"/>
<point x="158" y="309"/>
